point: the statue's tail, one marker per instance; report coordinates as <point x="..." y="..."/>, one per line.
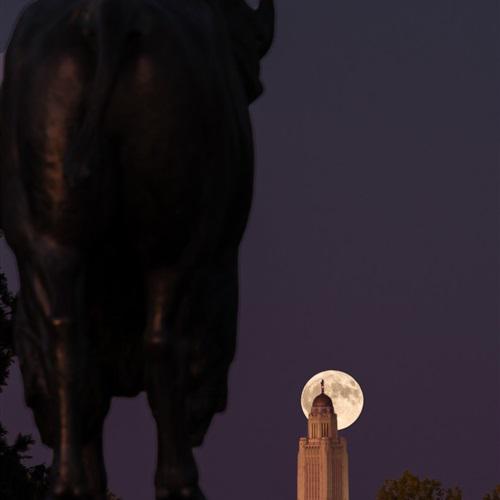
<point x="107" y="25"/>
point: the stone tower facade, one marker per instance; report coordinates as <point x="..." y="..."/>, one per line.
<point x="322" y="465"/>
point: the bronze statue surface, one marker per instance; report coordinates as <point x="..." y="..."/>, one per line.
<point x="126" y="167"/>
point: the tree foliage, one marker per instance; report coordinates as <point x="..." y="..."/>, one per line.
<point x="494" y="495"/>
<point x="17" y="481"/>
<point x="7" y="302"/>
<point x="410" y="487"/>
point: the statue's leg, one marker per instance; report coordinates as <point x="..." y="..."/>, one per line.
<point x="51" y="284"/>
<point x="95" y="471"/>
<point x="37" y="396"/>
<point x="166" y="365"/>
<point x="216" y="314"/>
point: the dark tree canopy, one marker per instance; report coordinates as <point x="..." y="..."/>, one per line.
<point x="410" y="487"/>
<point x="494" y="495"/>
<point x="6" y="305"/>
<point x="17" y="481"/>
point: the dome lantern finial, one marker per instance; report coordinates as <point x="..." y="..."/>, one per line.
<point x="322" y="386"/>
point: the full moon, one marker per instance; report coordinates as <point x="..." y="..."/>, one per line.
<point x="344" y="391"/>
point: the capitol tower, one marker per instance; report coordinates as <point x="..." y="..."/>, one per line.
<point x="322" y="465"/>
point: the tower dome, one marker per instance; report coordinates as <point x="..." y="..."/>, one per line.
<point x="322" y="401"/>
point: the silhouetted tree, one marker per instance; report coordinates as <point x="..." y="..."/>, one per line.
<point x="17" y="481"/>
<point x="7" y="302"/>
<point x="410" y="487"/>
<point x="494" y="495"/>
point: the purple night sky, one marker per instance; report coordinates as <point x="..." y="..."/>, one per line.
<point x="373" y="248"/>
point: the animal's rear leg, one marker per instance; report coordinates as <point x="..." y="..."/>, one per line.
<point x="215" y="319"/>
<point x="52" y="289"/>
<point x="166" y="365"/>
<point x="68" y="475"/>
<point x="93" y="461"/>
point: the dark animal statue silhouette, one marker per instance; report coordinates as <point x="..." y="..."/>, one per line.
<point x="126" y="166"/>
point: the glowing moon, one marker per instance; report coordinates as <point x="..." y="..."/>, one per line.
<point x="344" y="391"/>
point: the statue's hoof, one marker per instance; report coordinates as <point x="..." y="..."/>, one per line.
<point x="70" y="496"/>
<point x="61" y="491"/>
<point x="186" y="493"/>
